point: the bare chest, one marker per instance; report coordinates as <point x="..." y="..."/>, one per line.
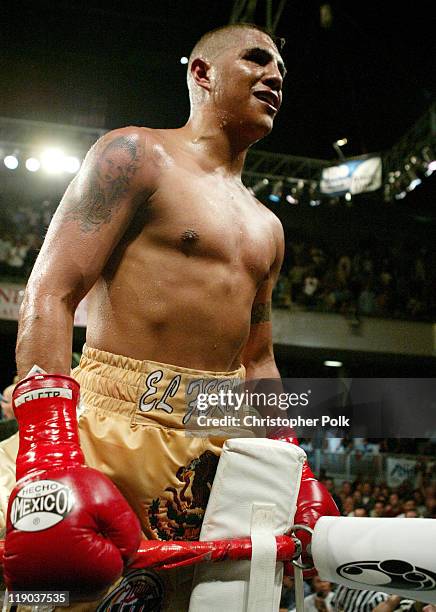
<point x="207" y="217"/>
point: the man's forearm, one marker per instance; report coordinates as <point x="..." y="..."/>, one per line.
<point x="264" y="377"/>
<point x="265" y="369"/>
<point x="45" y="333"/>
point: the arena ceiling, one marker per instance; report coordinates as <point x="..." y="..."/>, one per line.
<point x="368" y="76"/>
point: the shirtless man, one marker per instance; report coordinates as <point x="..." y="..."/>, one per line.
<point x="180" y="261"/>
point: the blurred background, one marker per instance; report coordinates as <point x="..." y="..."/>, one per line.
<point x="349" y="169"/>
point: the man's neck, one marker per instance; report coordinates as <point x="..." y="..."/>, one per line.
<point x="221" y="151"/>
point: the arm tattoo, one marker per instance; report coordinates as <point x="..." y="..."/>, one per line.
<point x="108" y="183"/>
<point x="260" y="313"/>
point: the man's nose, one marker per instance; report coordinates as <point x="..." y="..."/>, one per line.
<point x="273" y="79"/>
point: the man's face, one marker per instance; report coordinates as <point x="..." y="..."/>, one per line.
<point x="411" y="514"/>
<point x="360" y="512"/>
<point x="346" y="488"/>
<point x="329" y="484"/>
<point x="366" y="488"/>
<point x="320" y="586"/>
<point x="409" y="505"/>
<point x="6" y="403"/>
<point x="379" y="508"/>
<point x="246" y="81"/>
<point x="394" y="499"/>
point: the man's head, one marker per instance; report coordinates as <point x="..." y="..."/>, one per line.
<point x="346" y="487"/>
<point x="360" y="511"/>
<point x="329" y="485"/>
<point x="394" y="499"/>
<point x="6" y="403"/>
<point x="379" y="508"/>
<point x="409" y="504"/>
<point x="366" y="488"/>
<point x="321" y="586"/>
<point x="411" y="514"/>
<point x="236" y="73"/>
<point x="348" y="504"/>
<point x="288" y="582"/>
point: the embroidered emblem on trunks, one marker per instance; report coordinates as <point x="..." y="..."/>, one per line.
<point x="178" y="513"/>
<point x="139" y="591"/>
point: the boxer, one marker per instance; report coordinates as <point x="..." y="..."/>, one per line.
<point x="179" y="261"/>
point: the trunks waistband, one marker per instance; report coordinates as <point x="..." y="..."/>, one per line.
<point x="145" y="391"/>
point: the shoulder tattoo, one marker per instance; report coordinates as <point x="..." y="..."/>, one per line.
<point x="109" y="181"/>
<point x="261" y="312"/>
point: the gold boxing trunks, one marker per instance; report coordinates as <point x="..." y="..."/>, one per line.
<point x="133" y="428"/>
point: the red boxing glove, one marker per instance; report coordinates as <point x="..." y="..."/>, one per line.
<point x="68" y="526"/>
<point x="313" y="499"/>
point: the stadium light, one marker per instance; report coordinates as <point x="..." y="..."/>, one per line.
<point x="276" y="194"/>
<point x="11" y="162"/>
<point x="337" y="147"/>
<point x="431" y="168"/>
<point x="331" y="363"/>
<point x="290" y="198"/>
<point x="257" y="187"/>
<point x="33" y="164"/>
<point x="52" y="160"/>
<point x="70" y="164"/>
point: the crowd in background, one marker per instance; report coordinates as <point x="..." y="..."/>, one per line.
<point x="363" y="498"/>
<point x="372" y="446"/>
<point x="22" y="230"/>
<point x="383" y="280"/>
<point x="371" y="279"/>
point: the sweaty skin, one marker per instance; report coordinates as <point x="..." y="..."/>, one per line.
<point x="178" y="258"/>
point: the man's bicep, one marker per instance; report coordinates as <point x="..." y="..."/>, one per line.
<point x="93" y="215"/>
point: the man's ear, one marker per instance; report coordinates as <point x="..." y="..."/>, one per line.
<point x="200" y="72"/>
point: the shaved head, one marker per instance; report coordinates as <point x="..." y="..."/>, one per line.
<point x="213" y="43"/>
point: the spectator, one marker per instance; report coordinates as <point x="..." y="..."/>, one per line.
<point x="348" y="506"/>
<point x="7" y="412"/>
<point x="357" y="496"/>
<point x="321" y="597"/>
<point x="343" y="270"/>
<point x="409" y="505"/>
<point x="367" y="498"/>
<point x="430" y="507"/>
<point x="287" y="599"/>
<point x="330" y="486"/>
<point x="353" y="600"/>
<point x="310" y="287"/>
<point x="379" y="509"/>
<point x="392" y="603"/>
<point x="411" y="514"/>
<point x="420" y="501"/>
<point x="360" y="511"/>
<point x="376" y="491"/>
<point x="346" y="490"/>
<point x="393" y="508"/>
<point x="296" y="275"/>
